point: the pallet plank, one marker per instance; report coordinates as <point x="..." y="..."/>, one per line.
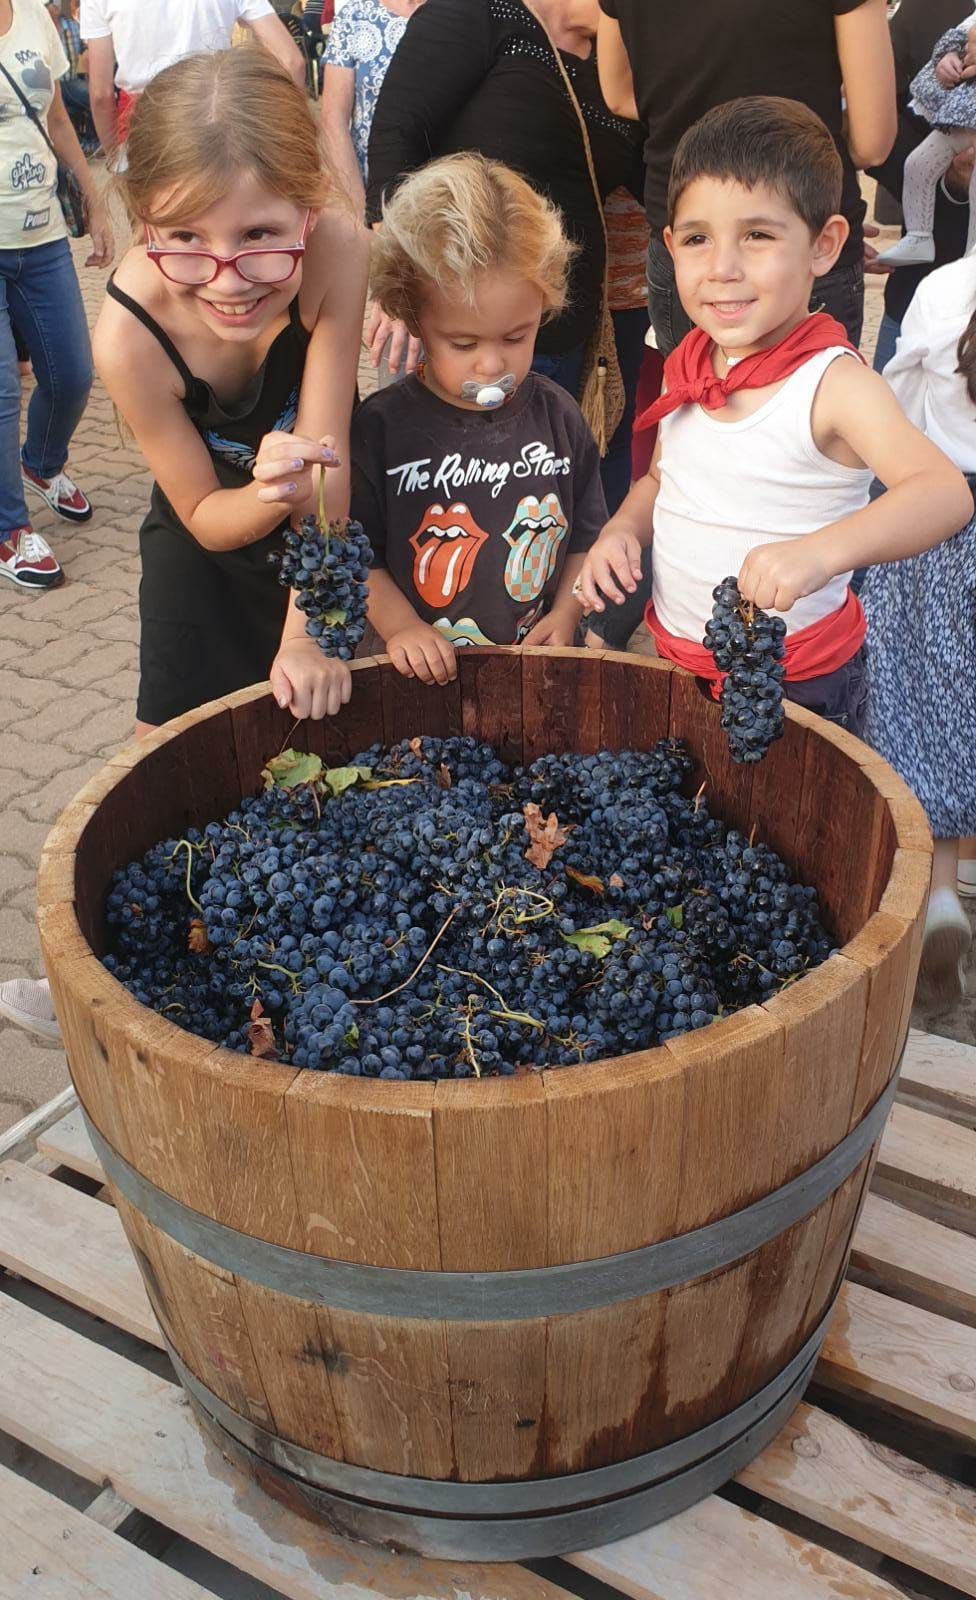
<point x="718" y="1549"/>
<point x="74" y="1246"/>
<point x="824" y="1470"/>
<point x="20" y="1138"/>
<point x="930" y="1165"/>
<point x="919" y="1363"/>
<point x="940" y="1075"/>
<point x="67" y="1142"/>
<point x="103" y="1417"/>
<point x="49" y="1550"/>
<point x="916" y="1259"/>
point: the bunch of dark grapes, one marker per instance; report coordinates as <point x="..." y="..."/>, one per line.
<point x="429" y="913"/>
<point x="748" y="647"/>
<point x="328" y="567"/>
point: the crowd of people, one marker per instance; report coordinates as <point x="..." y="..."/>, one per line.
<point x="615" y="258"/>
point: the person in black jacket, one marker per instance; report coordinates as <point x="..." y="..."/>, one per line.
<point x="480" y="75"/>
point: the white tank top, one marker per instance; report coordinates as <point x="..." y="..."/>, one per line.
<point x="727" y="487"/>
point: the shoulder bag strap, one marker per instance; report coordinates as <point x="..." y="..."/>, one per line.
<point x="18" y="91"/>
<point x="587" y="147"/>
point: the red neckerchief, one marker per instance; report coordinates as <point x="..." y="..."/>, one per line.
<point x="690" y="378"/>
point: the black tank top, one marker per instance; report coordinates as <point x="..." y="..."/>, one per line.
<point x="211" y="620"/>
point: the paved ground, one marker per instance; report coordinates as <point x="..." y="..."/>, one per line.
<point x="69" y="661"/>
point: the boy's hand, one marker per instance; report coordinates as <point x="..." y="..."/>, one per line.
<point x="556" y="628"/>
<point x="421" y="652"/>
<point x="307" y="682"/>
<point x="285" y="467"/>
<point x="949" y="70"/>
<point x="614" y="560"/>
<point x="775" y="576"/>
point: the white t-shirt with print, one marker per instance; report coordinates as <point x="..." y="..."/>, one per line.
<point x="32" y="53"/>
<point x="148" y="37"/>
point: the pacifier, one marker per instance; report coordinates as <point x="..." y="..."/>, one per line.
<point x="489" y="396"/>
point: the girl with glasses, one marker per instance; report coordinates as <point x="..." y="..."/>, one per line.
<point x="229" y="343"/>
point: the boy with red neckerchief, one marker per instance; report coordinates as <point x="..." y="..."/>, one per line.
<point x="771" y="425"/>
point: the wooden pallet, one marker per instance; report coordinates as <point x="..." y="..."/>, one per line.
<point x="830" y="1509"/>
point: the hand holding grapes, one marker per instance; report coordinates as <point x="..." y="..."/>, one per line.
<point x="307" y="682"/>
<point x="775" y="576"/>
<point x="419" y="651"/>
<point x="285" y="467"/>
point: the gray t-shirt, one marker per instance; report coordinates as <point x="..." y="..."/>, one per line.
<point x="473" y="513"/>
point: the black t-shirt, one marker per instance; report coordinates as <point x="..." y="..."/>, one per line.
<point x="687" y="58"/>
<point x="473" y="513"/>
<point x="480" y="75"/>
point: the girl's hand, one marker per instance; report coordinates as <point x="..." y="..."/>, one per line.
<point x="556" y="628"/>
<point x="775" y="576"/>
<point x="614" y="559"/>
<point x="404" y="348"/>
<point x="101" y="235"/>
<point x="285" y="467"/>
<point x="309" y="683"/>
<point x="949" y="70"/>
<point x="421" y="652"/>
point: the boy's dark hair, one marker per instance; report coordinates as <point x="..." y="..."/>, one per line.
<point x="764" y="139"/>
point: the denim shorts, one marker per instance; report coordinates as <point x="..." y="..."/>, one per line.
<point x="840" y="696"/>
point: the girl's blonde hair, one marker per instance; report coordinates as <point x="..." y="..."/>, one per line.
<point x="457" y="218"/>
<point x="203" y="122"/>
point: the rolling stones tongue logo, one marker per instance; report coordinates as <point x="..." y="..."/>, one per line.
<point x="537" y="530"/>
<point x="447" y="545"/>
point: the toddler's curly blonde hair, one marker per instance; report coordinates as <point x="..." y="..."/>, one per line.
<point x="456" y="218"/>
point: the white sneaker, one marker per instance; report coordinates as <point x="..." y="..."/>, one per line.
<point x="915" y="250"/>
<point x="26" y="1002"/>
<point x="966" y="880"/>
<point x="945" y="944"/>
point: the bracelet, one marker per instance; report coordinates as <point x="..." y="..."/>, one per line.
<point x="949" y="195"/>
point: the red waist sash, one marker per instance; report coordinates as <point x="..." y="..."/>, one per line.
<point x="812" y="652"/>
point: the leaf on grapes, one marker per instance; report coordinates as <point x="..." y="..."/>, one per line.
<point x="335" y="618"/>
<point x="546" y="835"/>
<point x="389" y="783"/>
<point x="616" y="881"/>
<point x="676" y="916"/>
<point x="339" y="778"/>
<point x="260" y="1033"/>
<point x="444" y="779"/>
<point x="598" y="941"/>
<point x="198" y="939"/>
<point x="417" y="746"/>
<point x="352" y="1035"/>
<point x="586" y="880"/>
<point x="291" y="769"/>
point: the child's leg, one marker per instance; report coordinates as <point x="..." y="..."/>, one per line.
<point x="923" y="169"/>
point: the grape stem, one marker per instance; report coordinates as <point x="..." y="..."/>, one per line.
<point x="181" y="845"/>
<point x="421" y="963"/>
<point x="506" y="1013"/>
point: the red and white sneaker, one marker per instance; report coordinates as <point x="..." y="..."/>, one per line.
<point x="28" y="559"/>
<point x="61" y="493"/>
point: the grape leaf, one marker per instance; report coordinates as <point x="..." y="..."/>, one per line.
<point x="417" y="746"/>
<point x="198" y="939"/>
<point x="335" y="618"/>
<point x="545" y="836"/>
<point x="676" y="916"/>
<point x="339" y="778"/>
<point x="598" y="941"/>
<point x="260" y="1033"/>
<point x="444" y="779"/>
<point x="291" y="769"/>
<point x="389" y="783"/>
<point x="616" y="881"/>
<point x="586" y="880"/>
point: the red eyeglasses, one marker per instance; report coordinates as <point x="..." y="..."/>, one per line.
<point x="254" y="266"/>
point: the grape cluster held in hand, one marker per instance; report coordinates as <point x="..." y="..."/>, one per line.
<point x="748" y="648"/>
<point x="428" y="912"/>
<point x="328" y="567"/>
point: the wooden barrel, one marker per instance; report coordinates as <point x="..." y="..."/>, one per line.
<point x="513" y="1317"/>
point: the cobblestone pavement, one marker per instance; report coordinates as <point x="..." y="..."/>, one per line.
<point x="70" y="681"/>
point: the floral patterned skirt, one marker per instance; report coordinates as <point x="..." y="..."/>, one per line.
<point x="921" y="657"/>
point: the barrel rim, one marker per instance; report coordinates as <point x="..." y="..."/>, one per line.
<point x="56" y="910"/>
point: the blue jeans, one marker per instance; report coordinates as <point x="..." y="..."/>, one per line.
<point x="841" y="293"/>
<point x="39" y="290"/>
<point x="888" y="334"/>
